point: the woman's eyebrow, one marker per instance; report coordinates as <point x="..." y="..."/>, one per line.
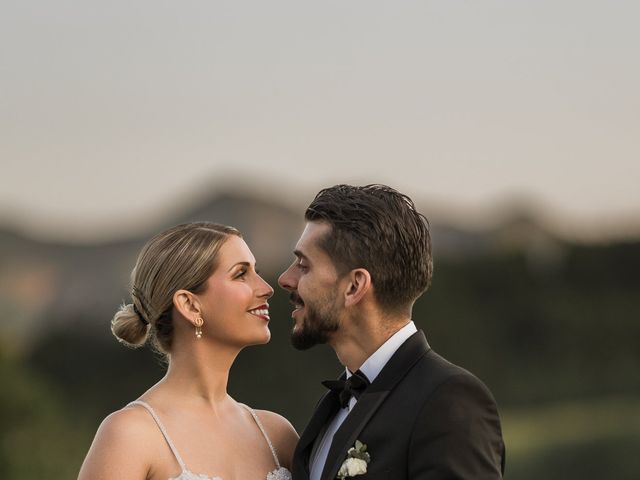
<point x="245" y="264"/>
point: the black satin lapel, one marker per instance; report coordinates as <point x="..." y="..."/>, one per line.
<point x="414" y="348"/>
<point x="348" y="432"/>
<point x="327" y="407"/>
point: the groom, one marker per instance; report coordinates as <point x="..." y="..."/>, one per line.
<point x="399" y="411"/>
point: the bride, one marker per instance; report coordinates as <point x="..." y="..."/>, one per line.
<point x="197" y="297"/>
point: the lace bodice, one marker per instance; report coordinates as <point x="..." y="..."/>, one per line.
<point x="280" y="473"/>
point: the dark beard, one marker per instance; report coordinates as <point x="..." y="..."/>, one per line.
<point x="315" y="329"/>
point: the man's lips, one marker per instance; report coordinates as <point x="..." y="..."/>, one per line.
<point x="297" y="303"/>
<point x="295" y="300"/>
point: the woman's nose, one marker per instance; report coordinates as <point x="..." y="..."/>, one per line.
<point x="266" y="290"/>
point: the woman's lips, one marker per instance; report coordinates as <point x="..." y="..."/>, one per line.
<point x="262" y="312"/>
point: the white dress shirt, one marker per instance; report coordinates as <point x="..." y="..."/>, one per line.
<point x="371" y="368"/>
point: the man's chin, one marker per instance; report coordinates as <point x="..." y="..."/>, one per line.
<point x="302" y="339"/>
<point x="301" y="342"/>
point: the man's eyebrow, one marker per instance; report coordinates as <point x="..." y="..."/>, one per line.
<point x="245" y="264"/>
<point x="299" y="254"/>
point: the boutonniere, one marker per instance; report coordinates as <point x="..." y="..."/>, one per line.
<point x="356" y="462"/>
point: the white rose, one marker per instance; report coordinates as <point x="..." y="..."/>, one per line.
<point x="352" y="467"/>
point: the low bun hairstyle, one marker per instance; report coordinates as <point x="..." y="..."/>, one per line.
<point x="129" y="327"/>
<point x="183" y="257"/>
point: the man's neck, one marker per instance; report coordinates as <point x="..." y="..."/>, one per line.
<point x="355" y="345"/>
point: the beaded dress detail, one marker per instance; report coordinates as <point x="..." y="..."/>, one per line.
<point x="280" y="473"/>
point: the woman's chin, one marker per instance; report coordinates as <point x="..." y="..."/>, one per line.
<point x="265" y="337"/>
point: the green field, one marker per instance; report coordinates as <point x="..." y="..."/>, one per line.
<point x="579" y="439"/>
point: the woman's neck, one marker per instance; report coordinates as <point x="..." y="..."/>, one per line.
<point x="201" y="371"/>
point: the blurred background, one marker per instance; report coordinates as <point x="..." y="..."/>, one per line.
<point x="513" y="125"/>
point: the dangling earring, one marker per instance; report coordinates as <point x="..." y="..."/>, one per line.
<point x="198" y="323"/>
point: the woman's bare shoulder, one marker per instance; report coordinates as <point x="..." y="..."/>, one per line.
<point x="275" y="421"/>
<point x="129" y="422"/>
<point x="122" y="445"/>
<point x="282" y="434"/>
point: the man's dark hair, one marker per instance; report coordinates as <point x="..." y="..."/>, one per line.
<point x="379" y="229"/>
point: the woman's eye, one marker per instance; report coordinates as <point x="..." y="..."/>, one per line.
<point x="241" y="273"/>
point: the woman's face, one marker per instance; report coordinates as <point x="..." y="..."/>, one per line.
<point x="234" y="302"/>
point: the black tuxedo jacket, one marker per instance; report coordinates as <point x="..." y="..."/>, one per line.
<point x="422" y="418"/>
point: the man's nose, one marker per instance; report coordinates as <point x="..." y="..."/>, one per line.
<point x="286" y="280"/>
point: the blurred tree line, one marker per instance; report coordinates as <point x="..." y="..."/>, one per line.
<point x="556" y="343"/>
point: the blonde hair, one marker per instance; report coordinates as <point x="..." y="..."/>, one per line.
<point x="182" y="257"/>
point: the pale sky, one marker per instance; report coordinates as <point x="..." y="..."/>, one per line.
<point x="113" y="111"/>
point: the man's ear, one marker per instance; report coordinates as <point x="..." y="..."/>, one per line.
<point x="359" y="283"/>
<point x="187" y="304"/>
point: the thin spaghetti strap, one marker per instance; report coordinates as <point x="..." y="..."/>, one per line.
<point x="148" y="408"/>
<point x="264" y="434"/>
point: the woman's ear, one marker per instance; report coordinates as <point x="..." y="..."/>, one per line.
<point x="359" y="283"/>
<point x="187" y="304"/>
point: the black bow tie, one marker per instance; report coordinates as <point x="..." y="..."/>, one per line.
<point x="351" y="387"/>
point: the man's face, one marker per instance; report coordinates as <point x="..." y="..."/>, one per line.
<point x="312" y="280"/>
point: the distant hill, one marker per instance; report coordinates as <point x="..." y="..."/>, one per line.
<point x="44" y="280"/>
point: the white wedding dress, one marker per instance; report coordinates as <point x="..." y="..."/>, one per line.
<point x="280" y="473"/>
